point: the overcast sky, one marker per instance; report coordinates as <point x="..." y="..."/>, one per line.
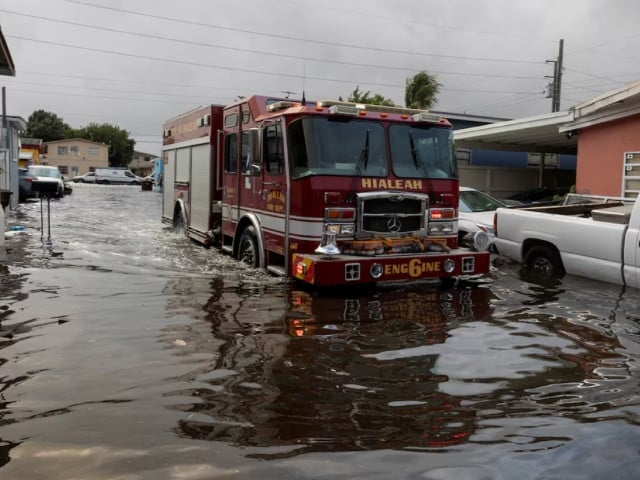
<point x="137" y="63"/>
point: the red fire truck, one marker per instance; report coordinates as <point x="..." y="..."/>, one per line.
<point x="328" y="193"/>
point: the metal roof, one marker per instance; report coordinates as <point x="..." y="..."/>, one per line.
<point x="6" y="62"/>
<point x="533" y="134"/>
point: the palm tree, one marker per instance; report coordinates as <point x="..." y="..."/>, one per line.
<point x="421" y="91"/>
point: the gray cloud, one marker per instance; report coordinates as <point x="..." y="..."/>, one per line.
<point x="136" y="64"/>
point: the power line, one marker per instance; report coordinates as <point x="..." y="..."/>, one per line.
<point x="262" y="72"/>
<point x="287" y="37"/>
<point x="254" y="51"/>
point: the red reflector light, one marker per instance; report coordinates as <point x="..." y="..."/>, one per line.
<point x="441" y="213"/>
<point x="301" y="269"/>
<point x="340" y="213"/>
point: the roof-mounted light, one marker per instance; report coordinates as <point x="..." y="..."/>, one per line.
<point x="281" y="105"/>
<point x="344" y="110"/>
<point x="425" y="117"/>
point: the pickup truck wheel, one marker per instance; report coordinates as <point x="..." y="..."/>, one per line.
<point x="248" y="248"/>
<point x="543" y="259"/>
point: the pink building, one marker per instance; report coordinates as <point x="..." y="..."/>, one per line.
<point x="608" y="130"/>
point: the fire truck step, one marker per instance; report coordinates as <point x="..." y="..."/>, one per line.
<point x="277" y="270"/>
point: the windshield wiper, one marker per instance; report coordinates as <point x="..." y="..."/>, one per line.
<point x="415" y="154"/>
<point x="363" y="161"/>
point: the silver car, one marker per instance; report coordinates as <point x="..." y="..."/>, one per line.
<point x="49" y="181"/>
<point x="86" y="178"/>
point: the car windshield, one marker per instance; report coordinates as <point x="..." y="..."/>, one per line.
<point x="337" y="146"/>
<point x="45" y="172"/>
<point x="477" y="201"/>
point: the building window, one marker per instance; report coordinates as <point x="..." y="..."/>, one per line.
<point x="93" y="150"/>
<point x="63" y="151"/>
<point x="64" y="169"/>
<point x="73" y="149"/>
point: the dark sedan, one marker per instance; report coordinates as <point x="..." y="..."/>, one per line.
<point x="26" y="178"/>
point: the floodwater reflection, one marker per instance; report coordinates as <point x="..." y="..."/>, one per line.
<point x="410" y="369"/>
<point x="136" y="353"/>
<point x="307" y="378"/>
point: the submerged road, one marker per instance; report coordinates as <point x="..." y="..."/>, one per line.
<point x="129" y="352"/>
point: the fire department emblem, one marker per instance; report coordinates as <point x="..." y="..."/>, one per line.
<point x="394" y="224"/>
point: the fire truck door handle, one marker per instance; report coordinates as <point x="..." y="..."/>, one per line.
<point x="275" y="184"/>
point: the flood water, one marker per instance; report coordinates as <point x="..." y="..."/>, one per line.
<point x="129" y="352"/>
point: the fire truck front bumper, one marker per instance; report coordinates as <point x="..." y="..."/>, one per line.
<point x="336" y="270"/>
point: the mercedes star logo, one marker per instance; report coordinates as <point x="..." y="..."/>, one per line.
<point x="394" y="225"/>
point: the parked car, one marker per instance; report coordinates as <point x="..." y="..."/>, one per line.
<point x="68" y="189"/>
<point x="49" y="181"/>
<point x="475" y="213"/>
<point x="86" y="178"/>
<point x="24" y="184"/>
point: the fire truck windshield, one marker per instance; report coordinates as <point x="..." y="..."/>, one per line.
<point x="422" y="152"/>
<point x="321" y="146"/>
<point x="335" y="146"/>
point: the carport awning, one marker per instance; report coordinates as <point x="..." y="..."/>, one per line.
<point x="533" y="134"/>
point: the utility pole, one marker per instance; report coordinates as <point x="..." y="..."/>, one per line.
<point x="556" y="85"/>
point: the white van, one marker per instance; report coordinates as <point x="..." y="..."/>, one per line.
<point x="116" y="176"/>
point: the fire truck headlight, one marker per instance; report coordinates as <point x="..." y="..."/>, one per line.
<point x="376" y="270"/>
<point x="439" y="228"/>
<point x="341" y="229"/>
<point x="348" y="229"/>
<point x="449" y="265"/>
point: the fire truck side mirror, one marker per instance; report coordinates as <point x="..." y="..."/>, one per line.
<point x="255" y="169"/>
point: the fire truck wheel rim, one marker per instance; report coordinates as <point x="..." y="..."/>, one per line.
<point x="248" y="248"/>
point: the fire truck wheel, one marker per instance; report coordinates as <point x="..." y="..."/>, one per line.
<point x="178" y="221"/>
<point x="248" y="248"/>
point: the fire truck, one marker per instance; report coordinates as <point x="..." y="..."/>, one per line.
<point x="328" y="193"/>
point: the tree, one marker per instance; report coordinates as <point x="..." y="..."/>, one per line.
<point x="421" y="91"/>
<point x="120" y="145"/>
<point x="364" y="97"/>
<point x="47" y="126"/>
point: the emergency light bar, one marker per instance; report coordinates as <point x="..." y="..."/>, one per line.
<point x="281" y="105"/>
<point x="344" y="110"/>
<point x="427" y="117"/>
<point x="349" y="108"/>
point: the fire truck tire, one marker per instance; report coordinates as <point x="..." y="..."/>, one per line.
<point x="178" y="220"/>
<point x="248" y="252"/>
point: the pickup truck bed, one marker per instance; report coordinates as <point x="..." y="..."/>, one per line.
<point x="596" y="240"/>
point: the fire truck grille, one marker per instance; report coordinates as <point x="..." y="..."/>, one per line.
<point x="392" y="214"/>
<point x="380" y="224"/>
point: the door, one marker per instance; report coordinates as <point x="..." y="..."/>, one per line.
<point x="274" y="189"/>
<point x="230" y="173"/>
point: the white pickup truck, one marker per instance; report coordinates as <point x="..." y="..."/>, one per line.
<point x="590" y="236"/>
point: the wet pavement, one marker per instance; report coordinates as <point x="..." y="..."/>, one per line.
<point x="129" y="352"/>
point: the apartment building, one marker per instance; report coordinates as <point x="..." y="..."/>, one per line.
<point x="75" y="156"/>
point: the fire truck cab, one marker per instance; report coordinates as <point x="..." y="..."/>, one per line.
<point x="328" y="193"/>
